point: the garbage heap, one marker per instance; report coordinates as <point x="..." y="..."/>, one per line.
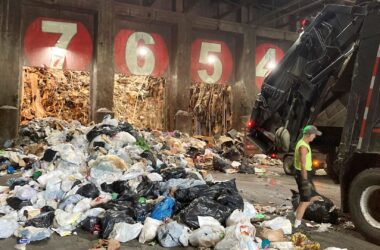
<point x="114" y="181"/>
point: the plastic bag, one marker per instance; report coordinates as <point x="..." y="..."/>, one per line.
<point x="154" y="177"/>
<point x="33" y="233"/>
<point x="16" y="203"/>
<point x="236" y="217"/>
<point x="89" y="191"/>
<point x="18" y="182"/>
<point x="8" y="226"/>
<point x="147" y="154"/>
<point x="164" y="209"/>
<point x="173" y="234"/>
<point x="66" y="219"/>
<point x="173" y="173"/>
<point x="43" y="220"/>
<point x="149" y="230"/>
<point x="91" y="224"/>
<point x="203" y="206"/>
<point x="238" y="237"/>
<point x="82" y="206"/>
<point x="180" y="184"/>
<point x="148" y="189"/>
<point x="187" y="195"/>
<point x="125" y="232"/>
<point x="279" y="223"/>
<point x="320" y="211"/>
<point x="206" y="236"/>
<point x="25" y="193"/>
<point x="72" y="199"/>
<point x="111" y="218"/>
<point x="249" y="210"/>
<point x="208" y="221"/>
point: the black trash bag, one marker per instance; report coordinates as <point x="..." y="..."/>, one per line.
<point x="17" y="204"/>
<point x="179" y="206"/>
<point x="46" y="209"/>
<point x="220" y="164"/>
<point x="76" y="183"/>
<point x="142" y="211"/>
<point x="43" y="220"/>
<point x="106" y="187"/>
<point x="245" y="168"/>
<point x="110" y="130"/>
<point x="89" y="191"/>
<point x="148" y="189"/>
<point x="173" y="173"/>
<point x="147" y="154"/>
<point x="187" y="195"/>
<point x="323" y="211"/>
<point x="232" y="200"/>
<point x="119" y="205"/>
<point x="112" y="217"/>
<point x="117" y="187"/>
<point x="127" y="196"/>
<point x="49" y="155"/>
<point x="103" y="129"/>
<point x="18" y="182"/>
<point x="217" y="189"/>
<point x="194" y="152"/>
<point x="91" y="224"/>
<point x="232" y="154"/>
<point x="203" y="206"/>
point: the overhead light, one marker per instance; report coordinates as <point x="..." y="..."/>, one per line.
<point x="271" y="65"/>
<point x="211" y="59"/>
<point x="142" y="51"/>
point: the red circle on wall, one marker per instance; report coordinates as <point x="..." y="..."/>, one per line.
<point x="267" y="56"/>
<point x="155" y="53"/>
<point x="211" y="60"/>
<point x="45" y="39"/>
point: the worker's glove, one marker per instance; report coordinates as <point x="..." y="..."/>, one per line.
<point x="306" y="188"/>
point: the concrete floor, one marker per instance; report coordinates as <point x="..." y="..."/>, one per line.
<point x="271" y="189"/>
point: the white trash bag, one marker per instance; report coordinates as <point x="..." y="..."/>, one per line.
<point x="206" y="236"/>
<point x="125" y="232"/>
<point x="149" y="230"/>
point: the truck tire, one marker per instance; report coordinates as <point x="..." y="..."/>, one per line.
<point x="364" y="197"/>
<point x="287" y="164"/>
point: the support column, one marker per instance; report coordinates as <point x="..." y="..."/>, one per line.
<point x="244" y="92"/>
<point x="10" y="68"/>
<point x="103" y="69"/>
<point x="181" y="79"/>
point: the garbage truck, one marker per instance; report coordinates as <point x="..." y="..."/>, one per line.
<point x="335" y="59"/>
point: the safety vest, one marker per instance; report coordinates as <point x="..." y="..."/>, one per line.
<point x="297" y="159"/>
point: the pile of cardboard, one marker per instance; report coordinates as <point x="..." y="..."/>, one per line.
<point x="55" y="93"/>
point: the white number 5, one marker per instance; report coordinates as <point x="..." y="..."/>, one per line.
<point x="211" y="59"/>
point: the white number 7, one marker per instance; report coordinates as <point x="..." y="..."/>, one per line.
<point x="206" y="58"/>
<point x="67" y="31"/>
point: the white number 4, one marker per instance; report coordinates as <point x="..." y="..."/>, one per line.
<point x="67" y="31"/>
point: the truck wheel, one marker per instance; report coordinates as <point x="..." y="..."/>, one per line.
<point x="288" y="166"/>
<point x="364" y="197"/>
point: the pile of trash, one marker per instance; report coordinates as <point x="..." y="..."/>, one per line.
<point x="119" y="183"/>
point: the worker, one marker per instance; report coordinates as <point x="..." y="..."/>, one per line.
<point x="303" y="165"/>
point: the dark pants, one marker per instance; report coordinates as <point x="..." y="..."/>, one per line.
<point x="303" y="196"/>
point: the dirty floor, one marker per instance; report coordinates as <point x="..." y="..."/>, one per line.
<point x="272" y="188"/>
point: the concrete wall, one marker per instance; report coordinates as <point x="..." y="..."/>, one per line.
<point x="101" y="18"/>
